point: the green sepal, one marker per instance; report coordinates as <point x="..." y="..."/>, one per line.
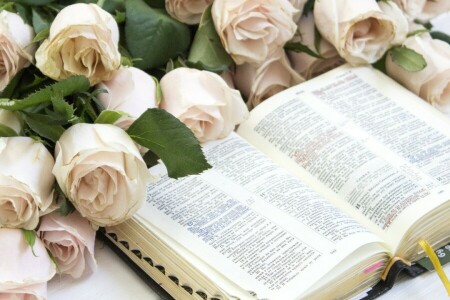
<point x="109" y="116"/>
<point x="299" y="47"/>
<point x="6" y="131"/>
<point x="407" y="59"/>
<point x="30" y="238"/>
<point x="171" y="140"/>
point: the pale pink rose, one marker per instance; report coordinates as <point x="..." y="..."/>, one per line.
<point x="203" y="101"/>
<point x="130" y="90"/>
<point x="258" y="83"/>
<point x="71" y="240"/>
<point x="250" y="30"/>
<point x="187" y="11"/>
<point x="83" y="40"/>
<point x="26" y="182"/>
<point x="99" y="168"/>
<point x="309" y="66"/>
<point x="401" y="21"/>
<point x="16" y="49"/>
<point x="433" y="82"/>
<point x="22" y="273"/>
<point x="358" y="29"/>
<point x="11" y="119"/>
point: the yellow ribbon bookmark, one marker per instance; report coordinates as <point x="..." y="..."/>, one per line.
<point x="436" y="264"/>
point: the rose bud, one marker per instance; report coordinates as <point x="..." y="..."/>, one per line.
<point x="251" y="30"/>
<point x="433" y="82"/>
<point x="130" y="90"/>
<point x="26" y="181"/>
<point x="100" y="170"/>
<point x="203" y="101"/>
<point x="83" y="40"/>
<point x="258" y="83"/>
<point x="16" y="50"/>
<point x="71" y="240"/>
<point x="423" y="9"/>
<point x="187" y="11"/>
<point x="358" y="29"/>
<point x="309" y="66"/>
<point x="11" y="120"/>
<point x="24" y="271"/>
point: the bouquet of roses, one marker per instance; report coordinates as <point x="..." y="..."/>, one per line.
<point x="95" y="92"/>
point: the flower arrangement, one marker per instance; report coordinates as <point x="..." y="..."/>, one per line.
<point x="93" y="93"/>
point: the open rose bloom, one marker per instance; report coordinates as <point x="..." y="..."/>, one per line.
<point x="187" y="11"/>
<point x="71" y="240"/>
<point x="26" y="182"/>
<point x="358" y="29"/>
<point x="104" y="176"/>
<point x="203" y="101"/>
<point x="83" y="40"/>
<point x="23" y="275"/>
<point x="16" y="49"/>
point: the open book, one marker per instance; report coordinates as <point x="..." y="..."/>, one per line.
<point x="318" y="190"/>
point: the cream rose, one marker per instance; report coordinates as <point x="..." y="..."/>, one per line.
<point x="11" y="120"/>
<point x="26" y="182"/>
<point x="433" y="82"/>
<point x="401" y="22"/>
<point x="16" y="49"/>
<point x="423" y="9"/>
<point x="100" y="170"/>
<point x="309" y="66"/>
<point x="187" y="11"/>
<point x="83" y="40"/>
<point x="298" y="5"/>
<point x="358" y="29"/>
<point x="71" y="240"/>
<point x="258" y="83"/>
<point x="251" y="30"/>
<point x="130" y="90"/>
<point x="203" y="101"/>
<point x="22" y="272"/>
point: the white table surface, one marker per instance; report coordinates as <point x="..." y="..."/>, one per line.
<point x="114" y="280"/>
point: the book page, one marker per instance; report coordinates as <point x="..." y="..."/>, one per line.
<point x="364" y="142"/>
<point x="254" y="222"/>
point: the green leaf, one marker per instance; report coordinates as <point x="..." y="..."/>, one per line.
<point x="171" y="140"/>
<point x="39" y="123"/>
<point x="309" y="7"/>
<point x="407" y="58"/>
<point x="66" y="87"/>
<point x="381" y="64"/>
<point x="417" y="32"/>
<point x="53" y="259"/>
<point x="440" y="36"/>
<point x="66" y="207"/>
<point x="41" y="21"/>
<point x="6" y="131"/>
<point x="120" y="17"/>
<point x="152" y="35"/>
<point x="317" y="39"/>
<point x="158" y="91"/>
<point x="41" y="35"/>
<point x="30" y="238"/>
<point x="156" y="3"/>
<point x="299" y="47"/>
<point x="109" y="116"/>
<point x="150" y="158"/>
<point x="8" y="92"/>
<point x="62" y="108"/>
<point x="207" y="48"/>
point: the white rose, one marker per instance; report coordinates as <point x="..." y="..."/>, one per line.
<point x="83" y="40"/>
<point x="309" y="66"/>
<point x="100" y="170"/>
<point x="298" y="5"/>
<point x="358" y="29"/>
<point x="71" y="240"/>
<point x="130" y="90"/>
<point x="258" y="83"/>
<point x="16" y="51"/>
<point x="251" y="30"/>
<point x="401" y="22"/>
<point x="203" y="101"/>
<point x="433" y="82"/>
<point x="26" y="181"/>
<point x="187" y="11"/>
<point x="23" y="271"/>
<point x="11" y="120"/>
